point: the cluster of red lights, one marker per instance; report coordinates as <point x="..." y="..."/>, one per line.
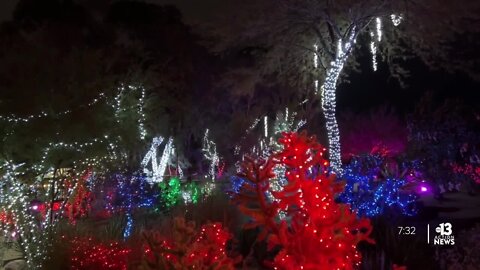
<point x="6" y="218"/>
<point x="469" y="170"/>
<point x="191" y="249"/>
<point x="317" y="233"/>
<point x="79" y="204"/>
<point x="89" y="254"/>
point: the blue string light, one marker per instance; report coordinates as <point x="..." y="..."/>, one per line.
<point x="369" y="194"/>
<point x="126" y="194"/>
<point x="129" y="227"/>
<point x="236" y="184"/>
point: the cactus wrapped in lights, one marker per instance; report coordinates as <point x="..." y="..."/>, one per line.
<point x="319" y="234"/>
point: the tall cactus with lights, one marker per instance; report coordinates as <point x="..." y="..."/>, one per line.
<point x="318" y="233"/>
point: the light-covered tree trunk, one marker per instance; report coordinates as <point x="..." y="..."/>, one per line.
<point x="329" y="101"/>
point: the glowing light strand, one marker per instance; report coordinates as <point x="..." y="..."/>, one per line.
<point x="158" y="169"/>
<point x="265" y="126"/>
<point x="141" y="120"/>
<point x="33" y="235"/>
<point x="373" y="50"/>
<point x="167" y="151"/>
<point x="17" y="119"/>
<point x="329" y="101"/>
<point x="315" y="65"/>
<point x="209" y="149"/>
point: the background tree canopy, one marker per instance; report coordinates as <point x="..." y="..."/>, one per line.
<point x="253" y="58"/>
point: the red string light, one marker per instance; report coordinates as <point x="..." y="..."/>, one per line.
<point x="319" y="234"/>
<point x="89" y="254"/>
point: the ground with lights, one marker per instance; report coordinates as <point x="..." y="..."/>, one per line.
<point x="282" y="192"/>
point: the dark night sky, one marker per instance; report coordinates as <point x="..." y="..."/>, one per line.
<point x="366" y="90"/>
<point x="6" y="9"/>
<point x="370" y="89"/>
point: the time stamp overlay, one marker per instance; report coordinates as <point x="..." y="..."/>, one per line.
<point x="441" y="234"/>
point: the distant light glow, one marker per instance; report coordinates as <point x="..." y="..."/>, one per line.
<point x="396" y="19"/>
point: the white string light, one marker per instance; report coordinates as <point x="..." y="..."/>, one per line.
<point x="26" y="119"/>
<point x="373" y="50"/>
<point x="141" y="120"/>
<point x="117" y="105"/>
<point x="315" y="65"/>
<point x="209" y="149"/>
<point x="33" y="236"/>
<point x="300" y="124"/>
<point x="254" y="124"/>
<point x="329" y="100"/>
<point x="167" y="152"/>
<point x="158" y="169"/>
<point x="265" y="126"/>
<point x="379" y="29"/>
<point x="75" y="146"/>
<point x="152" y="156"/>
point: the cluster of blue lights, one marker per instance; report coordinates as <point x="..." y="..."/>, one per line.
<point x="370" y="194"/>
<point x="127" y="193"/>
<point x="236" y="184"/>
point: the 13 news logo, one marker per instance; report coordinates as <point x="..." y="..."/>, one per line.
<point x="444" y="235"/>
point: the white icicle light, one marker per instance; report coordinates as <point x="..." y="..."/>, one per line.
<point x="379" y="29"/>
<point x="265" y="126"/>
<point x="373" y="50"/>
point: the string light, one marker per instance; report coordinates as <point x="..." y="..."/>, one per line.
<point x="396" y="19"/>
<point x="370" y="195"/>
<point x="33" y="235"/>
<point x="158" y="169"/>
<point x="328" y="89"/>
<point x="171" y="192"/>
<point x="320" y="233"/>
<point x="253" y="125"/>
<point x="117" y="105"/>
<point x="26" y="119"/>
<point x="209" y="149"/>
<point x="73" y="146"/>
<point x="265" y="126"/>
<point x="315" y="65"/>
<point x="329" y="101"/>
<point x="373" y="50"/>
<point x="141" y="120"/>
<point x="207" y="189"/>
<point x="88" y="253"/>
<point x="379" y="28"/>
